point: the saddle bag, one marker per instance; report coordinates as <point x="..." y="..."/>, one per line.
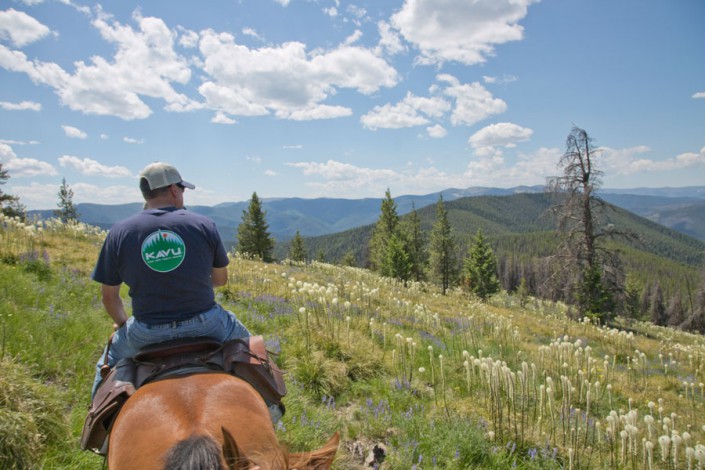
<point x="248" y="359"/>
<point x="116" y="388"/>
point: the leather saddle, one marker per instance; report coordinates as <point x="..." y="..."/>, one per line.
<point x="246" y="358"/>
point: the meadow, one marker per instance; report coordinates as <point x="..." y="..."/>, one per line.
<point x="415" y="378"/>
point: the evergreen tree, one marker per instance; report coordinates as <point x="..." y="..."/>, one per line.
<point x="253" y="232"/>
<point x="349" y="259"/>
<point x="415" y="243"/>
<point x="632" y="307"/>
<point x="385" y="227"/>
<point x="297" y="250"/>
<point x="444" y="262"/>
<point x="67" y="211"/>
<point x="523" y="293"/>
<point x="396" y="262"/>
<point x="9" y="204"/>
<point x="481" y="268"/>
<point x="320" y="256"/>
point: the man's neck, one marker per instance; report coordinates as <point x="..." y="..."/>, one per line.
<point x="159" y="203"/>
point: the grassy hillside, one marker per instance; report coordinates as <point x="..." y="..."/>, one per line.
<point x="434" y="381"/>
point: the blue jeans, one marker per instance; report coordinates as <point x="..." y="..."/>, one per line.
<point x="217" y="323"/>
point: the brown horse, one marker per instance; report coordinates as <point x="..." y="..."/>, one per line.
<point x="203" y="422"/>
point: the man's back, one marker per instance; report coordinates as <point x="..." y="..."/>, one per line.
<point x="165" y="256"/>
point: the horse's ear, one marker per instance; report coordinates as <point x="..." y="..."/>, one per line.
<point x="320" y="459"/>
<point x="231" y="452"/>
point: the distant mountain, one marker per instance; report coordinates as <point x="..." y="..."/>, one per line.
<point x="682" y="209"/>
<point x="506" y="217"/>
<point x="683" y="214"/>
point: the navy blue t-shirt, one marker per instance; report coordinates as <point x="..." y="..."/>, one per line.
<point x="165" y="256"/>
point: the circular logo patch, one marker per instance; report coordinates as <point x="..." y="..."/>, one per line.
<point x="163" y="251"/>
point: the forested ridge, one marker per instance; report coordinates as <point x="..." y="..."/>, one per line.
<point x="522" y="234"/>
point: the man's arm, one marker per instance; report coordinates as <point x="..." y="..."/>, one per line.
<point x="219" y="276"/>
<point x="113" y="304"/>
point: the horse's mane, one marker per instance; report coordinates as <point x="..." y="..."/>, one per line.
<point x="194" y="453"/>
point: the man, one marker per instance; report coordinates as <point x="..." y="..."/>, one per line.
<point x="171" y="259"/>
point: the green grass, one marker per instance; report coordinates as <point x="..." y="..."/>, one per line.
<point x="383" y="364"/>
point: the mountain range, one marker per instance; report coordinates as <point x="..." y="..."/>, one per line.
<point x="681" y="209"/>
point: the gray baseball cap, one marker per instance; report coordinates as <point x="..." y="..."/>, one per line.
<point x="160" y="174"/>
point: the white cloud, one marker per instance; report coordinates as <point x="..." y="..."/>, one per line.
<point x="411" y="111"/>
<point x="23" y="167"/>
<point x="270" y="173"/>
<point x="20" y="28"/>
<point x="473" y="102"/>
<point x="353" y="38"/>
<point x="344" y="179"/>
<point x="252" y="33"/>
<point x="74" y="132"/>
<point x="283" y="2"/>
<point x="698" y="95"/>
<point x="43" y="196"/>
<point x="187" y="38"/>
<point x="503" y="134"/>
<point x="331" y="11"/>
<point x="437" y="131"/>
<point x="315" y="112"/>
<point x="293" y="147"/>
<point x="504" y="79"/>
<point x="222" y="118"/>
<point x="130" y="140"/>
<point x="459" y="30"/>
<point x="389" y="41"/>
<point x="493" y="169"/>
<point x="22" y="106"/>
<point x="18" y="142"/>
<point x="86" y="166"/>
<point x="627" y="161"/>
<point x="286" y="80"/>
<point x="145" y="64"/>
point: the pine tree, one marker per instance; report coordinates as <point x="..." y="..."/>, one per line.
<point x="444" y="262"/>
<point x="481" y="268"/>
<point x="349" y="259"/>
<point x="632" y="307"/>
<point x="9" y="204"/>
<point x="415" y="243"/>
<point x="67" y="211"/>
<point x="396" y="262"/>
<point x="297" y="250"/>
<point x="253" y="232"/>
<point x="320" y="256"/>
<point x="385" y="227"/>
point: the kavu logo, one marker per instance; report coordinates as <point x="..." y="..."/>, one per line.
<point x="163" y="251"/>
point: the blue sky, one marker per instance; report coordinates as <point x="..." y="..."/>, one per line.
<point x="326" y="98"/>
